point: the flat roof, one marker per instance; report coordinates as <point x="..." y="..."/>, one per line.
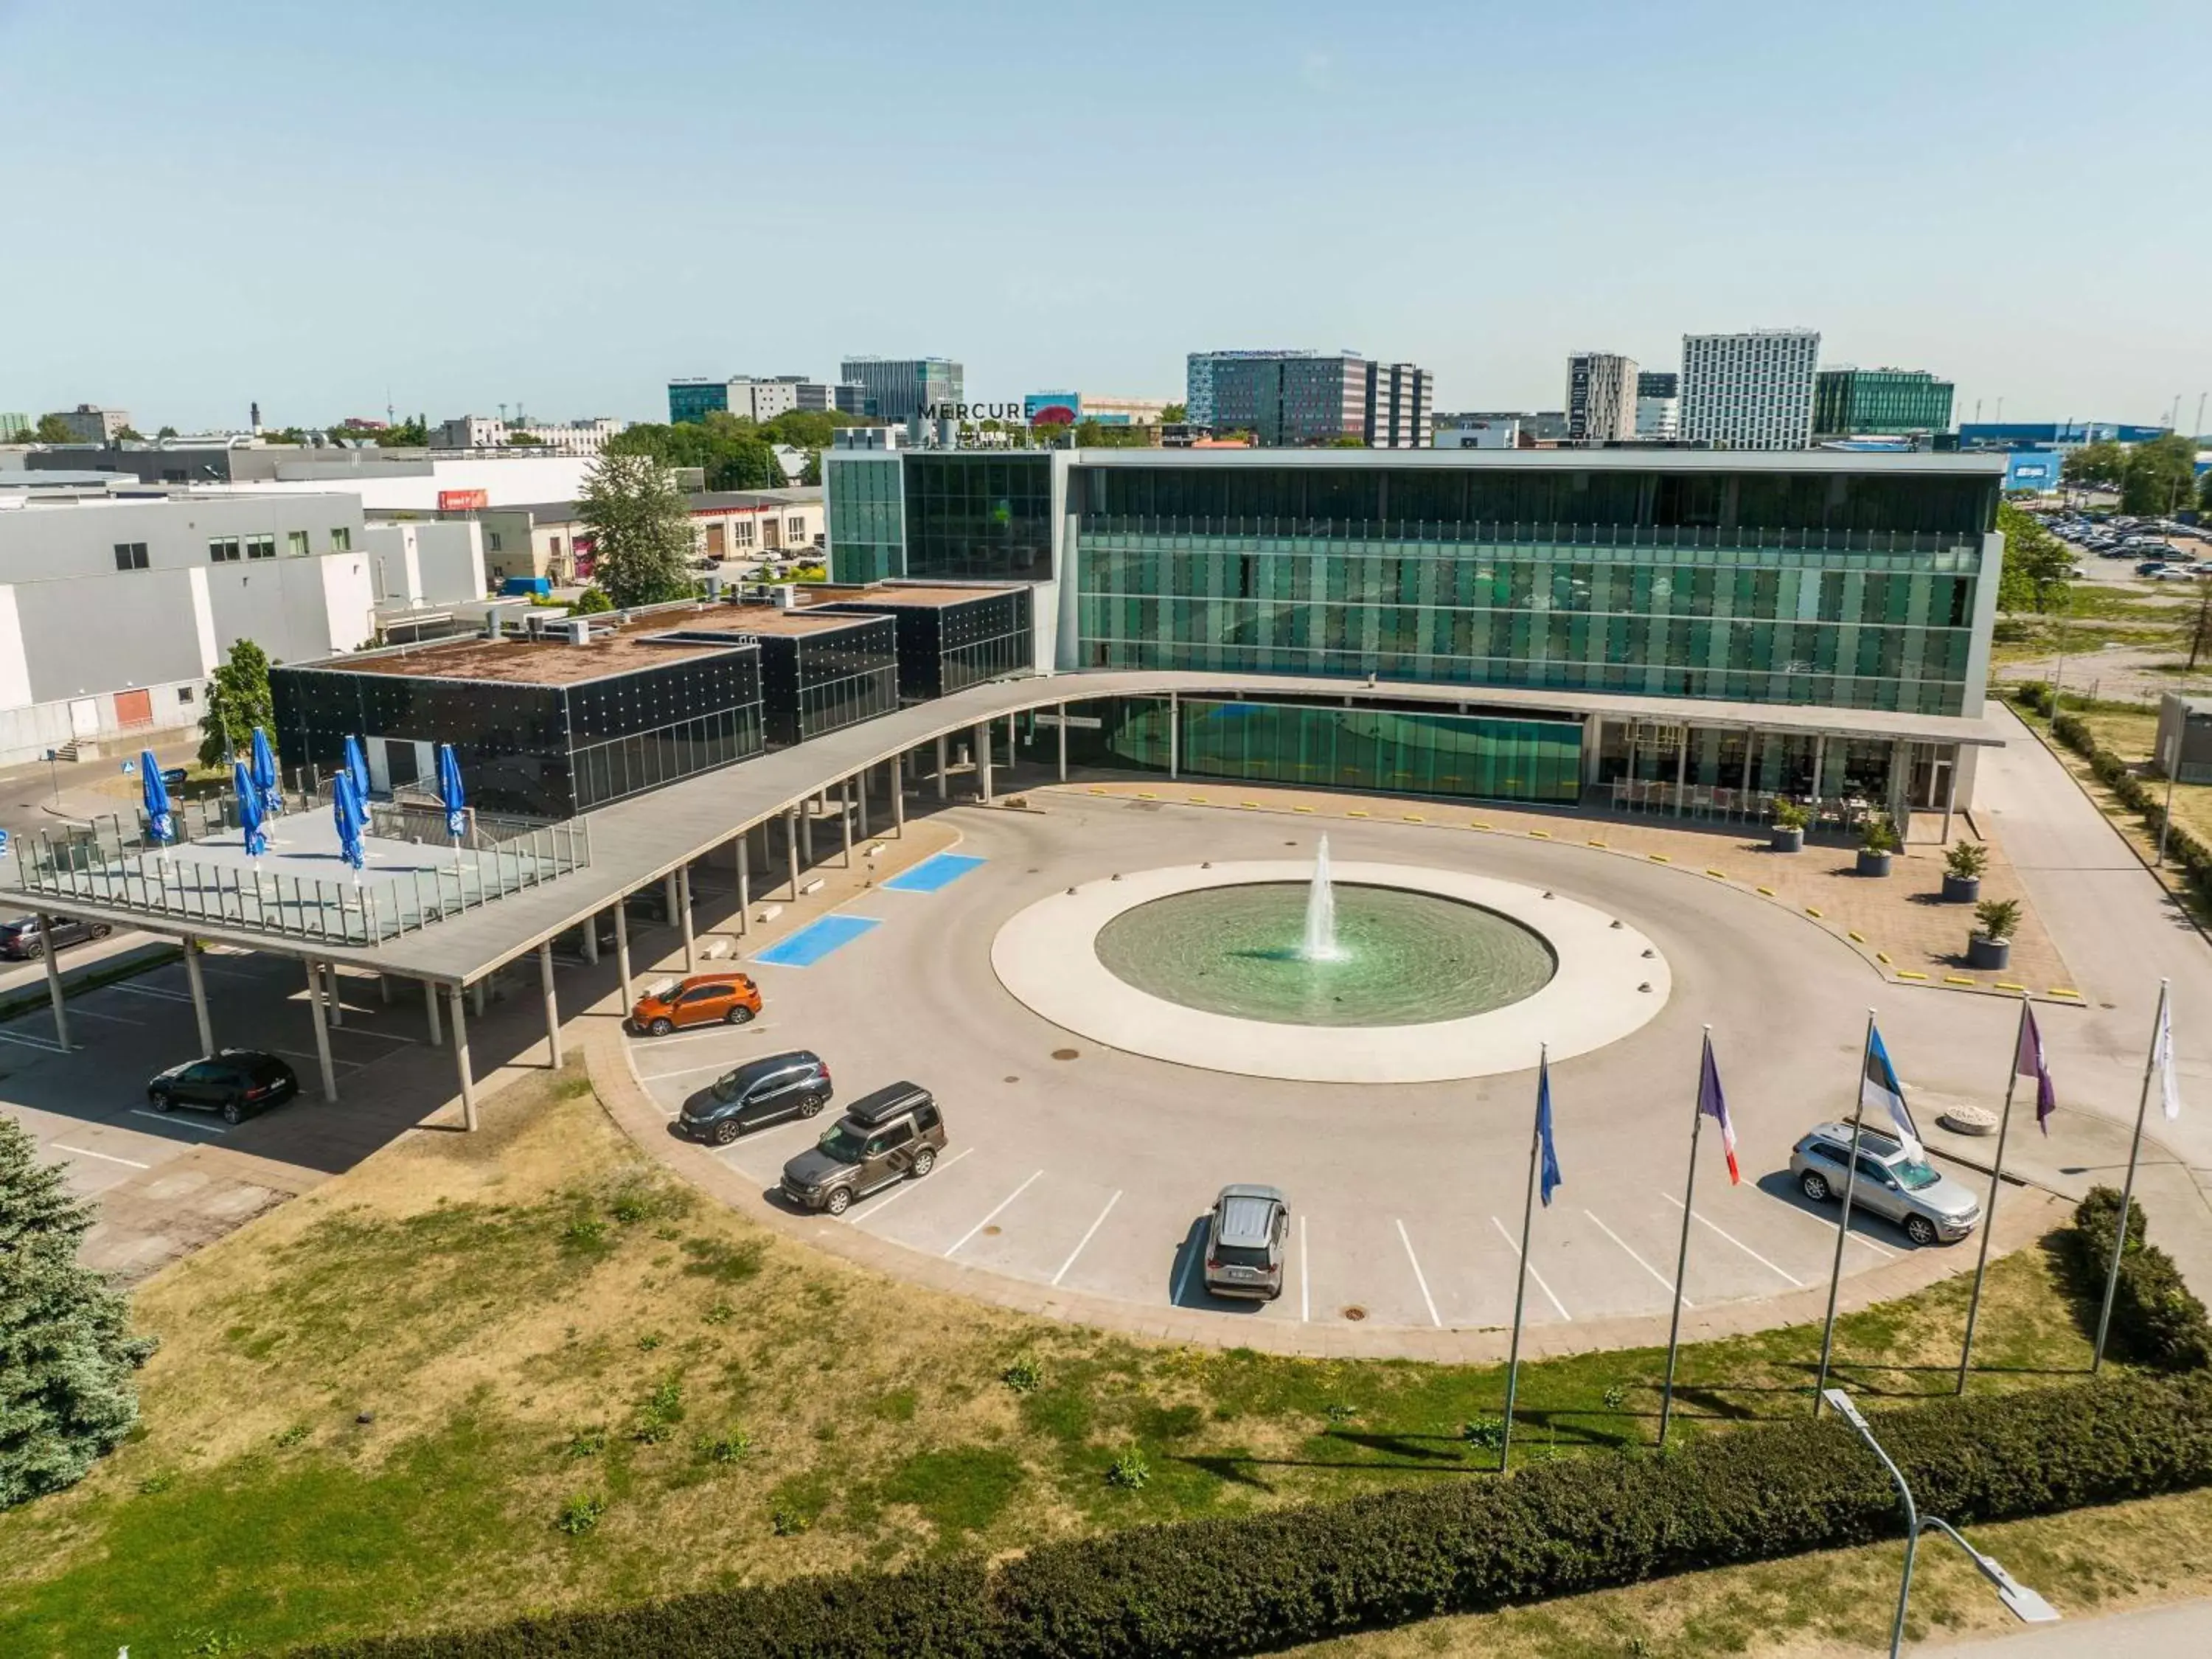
<point x="1629" y="458"/>
<point x="918" y="596"/>
<point x="768" y="619"/>
<point x="628" y="646"/>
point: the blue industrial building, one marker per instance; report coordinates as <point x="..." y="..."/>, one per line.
<point x="2062" y="434"/>
<point x="2034" y="469"/>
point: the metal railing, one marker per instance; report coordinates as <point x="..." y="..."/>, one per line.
<point x="106" y="864"/>
<point x="1413" y="533"/>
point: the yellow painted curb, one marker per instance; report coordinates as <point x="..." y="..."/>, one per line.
<point x="1415" y="817"/>
<point x="2062" y="991"/>
<point x="1476" y="823"/>
<point x="1717" y="875"/>
<point x="2007" y="984"/>
<point x="1355" y="813"/>
<point x="1962" y="979"/>
<point x="1301" y="809"/>
<point x="1253" y="804"/>
<point x="1907" y="973"/>
<point x="1196" y="801"/>
<point x="1769" y="891"/>
<point x="1595" y="842"/>
<point x="1146" y="794"/>
<point x="1541" y="834"/>
<point x="1658" y="858"/>
<point x="1811" y="912"/>
<point x="1883" y="956"/>
<point x="1095" y="790"/>
<point x="1859" y="939"/>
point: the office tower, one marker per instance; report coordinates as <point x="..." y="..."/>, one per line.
<point x="1879" y="402"/>
<point x="1303" y="398"/>
<point x="1399" y="398"/>
<point x="899" y="388"/>
<point x="1752" y="391"/>
<point x="1658" y="406"/>
<point x="1600" y="397"/>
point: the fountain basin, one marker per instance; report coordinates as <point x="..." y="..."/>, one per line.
<point x="1602" y="985"/>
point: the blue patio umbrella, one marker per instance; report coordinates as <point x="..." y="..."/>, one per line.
<point x="356" y="766"/>
<point x="264" y="770"/>
<point x="160" y="824"/>
<point x="352" y="819"/>
<point x="456" y="801"/>
<point x="249" y="810"/>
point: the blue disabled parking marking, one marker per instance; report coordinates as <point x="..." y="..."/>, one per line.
<point x="933" y="874"/>
<point x="815" y="941"/>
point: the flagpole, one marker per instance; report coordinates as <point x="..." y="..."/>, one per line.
<point x="2127" y="1191"/>
<point x="1996" y="1185"/>
<point x="1521" y="1287"/>
<point x="1682" y="1249"/>
<point x="1844" y="1221"/>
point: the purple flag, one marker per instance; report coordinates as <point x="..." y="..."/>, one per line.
<point x="2029" y="1062"/>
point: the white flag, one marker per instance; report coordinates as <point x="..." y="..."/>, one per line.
<point x="2169" y="1086"/>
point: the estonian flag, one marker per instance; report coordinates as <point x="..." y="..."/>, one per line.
<point x="1879" y="1090"/>
<point x="1549" y="1165"/>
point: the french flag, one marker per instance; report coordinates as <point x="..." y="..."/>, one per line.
<point x="1714" y="1104"/>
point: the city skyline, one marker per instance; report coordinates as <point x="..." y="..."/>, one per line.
<point x="303" y="229"/>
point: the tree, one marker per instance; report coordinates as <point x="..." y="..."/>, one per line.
<point x="2160" y="474"/>
<point x="2035" y="563"/>
<point x="2204" y="493"/>
<point x="523" y="440"/>
<point x="52" y="429"/>
<point x="21" y="434"/>
<point x="167" y="432"/>
<point x="640" y="529"/>
<point x="66" y="1353"/>
<point x="591" y="602"/>
<point x="1174" y="413"/>
<point x="127" y="434"/>
<point x="2099" y="465"/>
<point x="237" y="700"/>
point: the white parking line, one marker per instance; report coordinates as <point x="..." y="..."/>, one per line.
<point x="337" y="1065"/>
<point x="1305" y="1273"/>
<point x="1666" y="1283"/>
<point x="692" y="1037"/>
<point x="182" y="1123"/>
<point x="105" y="1157"/>
<point x="1533" y="1274"/>
<point x="1182" y="1278"/>
<point x="1093" y="1228"/>
<point x="46" y="1043"/>
<point x="993" y="1214"/>
<point x="1738" y="1243"/>
<point x="93" y="1013"/>
<point x="681" y="1071"/>
<point x="855" y="1216"/>
<point x="148" y="991"/>
<point x="1421" y="1279"/>
<point x="1858" y="1211"/>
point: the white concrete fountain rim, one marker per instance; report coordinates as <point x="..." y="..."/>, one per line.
<point x="1047" y="957"/>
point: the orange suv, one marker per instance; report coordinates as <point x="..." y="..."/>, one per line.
<point x="702" y="999"/>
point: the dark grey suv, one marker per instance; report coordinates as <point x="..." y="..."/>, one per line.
<point x="764" y="1091"/>
<point x="20" y="939"/>
<point x="885" y="1137"/>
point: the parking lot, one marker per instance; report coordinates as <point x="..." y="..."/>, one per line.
<point x="1090" y="1170"/>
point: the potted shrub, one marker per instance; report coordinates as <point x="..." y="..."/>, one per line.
<point x="1990" y="946"/>
<point x="1877" y="846"/>
<point x="1788" y="835"/>
<point x="1962" y="872"/>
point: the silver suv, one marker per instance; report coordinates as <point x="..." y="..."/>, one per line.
<point x="1930" y="1207"/>
<point x="1244" y="1241"/>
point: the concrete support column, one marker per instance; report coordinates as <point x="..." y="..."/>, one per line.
<point x="898" y="804"/>
<point x="1063" y="743"/>
<point x="845" y="819"/>
<point x="197" y="981"/>
<point x="461" y="1060"/>
<point x="1900" y="780"/>
<point x="807" y="833"/>
<point x="1819" y="766"/>
<point x="1950" y="794"/>
<point x="860" y="789"/>
<point x="683" y="894"/>
<point x="941" y="763"/>
<point x="430" y="1007"/>
<point x="1175" y="735"/>
<point x="592" y="939"/>
<point x="745" y="847"/>
<point x="622" y="952"/>
<point x="322" y="1033"/>
<point x="384" y="988"/>
<point x="1681" y="768"/>
<point x="791" y="850"/>
<point x="552" y="1005"/>
<point x="1013" y="752"/>
<point x="668" y="892"/>
<point x="983" y="762"/>
<point x="478" y="995"/>
<point x="53" y="978"/>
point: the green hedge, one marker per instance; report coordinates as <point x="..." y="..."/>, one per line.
<point x="2117" y="774"/>
<point x="1252" y="1583"/>
<point x="2155" y="1316"/>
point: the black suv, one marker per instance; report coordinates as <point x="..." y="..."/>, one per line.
<point x="796" y="1084"/>
<point x="236" y="1082"/>
<point x="886" y="1136"/>
<point x="20" y="939"/>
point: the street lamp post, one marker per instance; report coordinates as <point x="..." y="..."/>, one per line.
<point x="2024" y="1604"/>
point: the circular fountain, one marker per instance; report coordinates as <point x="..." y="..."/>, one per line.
<point x="1363" y="973"/>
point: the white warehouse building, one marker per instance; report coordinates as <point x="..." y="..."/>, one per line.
<point x="114" y="610"/>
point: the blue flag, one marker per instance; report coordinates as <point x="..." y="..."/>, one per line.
<point x="1548" y="1167"/>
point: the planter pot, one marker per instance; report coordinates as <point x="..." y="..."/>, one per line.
<point x="1961" y="889"/>
<point x="1874" y="864"/>
<point x="1994" y="955"/>
<point x="1779" y="840"/>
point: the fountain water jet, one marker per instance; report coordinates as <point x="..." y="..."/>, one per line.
<point x="1319" y="942"/>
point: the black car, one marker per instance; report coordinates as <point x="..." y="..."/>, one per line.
<point x="20" y="939"/>
<point x="794" y="1084"/>
<point x="236" y="1082"/>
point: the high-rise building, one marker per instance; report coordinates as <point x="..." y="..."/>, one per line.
<point x="1658" y="406"/>
<point x="900" y="388"/>
<point x="88" y="423"/>
<point x="1296" y="398"/>
<point x="11" y="422"/>
<point x="1879" y="402"/>
<point x="757" y="397"/>
<point x="1600" y="397"/>
<point x="1752" y="391"/>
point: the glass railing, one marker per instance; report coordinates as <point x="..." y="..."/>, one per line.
<point x="110" y="863"/>
<point x="1446" y="536"/>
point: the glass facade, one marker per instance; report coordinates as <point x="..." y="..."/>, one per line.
<point x="978" y="515"/>
<point x="943" y="648"/>
<point x="815" y="682"/>
<point x="1393" y="750"/>
<point x="1878" y="401"/>
<point x="695" y="400"/>
<point x="1850" y="591"/>
<point x="866" y="499"/>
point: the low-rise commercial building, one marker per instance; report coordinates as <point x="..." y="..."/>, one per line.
<point x="389" y="480"/>
<point x="949" y="637"/>
<point x="756" y="398"/>
<point x="585" y="437"/>
<point x="1879" y="403"/>
<point x="88" y="423"/>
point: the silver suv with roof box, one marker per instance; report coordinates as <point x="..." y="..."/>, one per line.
<point x="1930" y="1207"/>
<point x="1244" y="1241"/>
<point x="883" y="1137"/>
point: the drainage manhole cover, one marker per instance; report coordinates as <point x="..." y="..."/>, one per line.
<point x="990" y="1231"/>
<point x="1355" y="1313"/>
<point x="1066" y="1053"/>
<point x="1013" y="1079"/>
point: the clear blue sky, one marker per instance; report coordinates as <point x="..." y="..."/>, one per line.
<point x="567" y="202"/>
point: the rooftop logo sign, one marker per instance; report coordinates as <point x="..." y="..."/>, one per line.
<point x="972" y="411"/>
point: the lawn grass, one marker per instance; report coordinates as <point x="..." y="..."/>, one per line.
<point x="527" y="1369"/>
